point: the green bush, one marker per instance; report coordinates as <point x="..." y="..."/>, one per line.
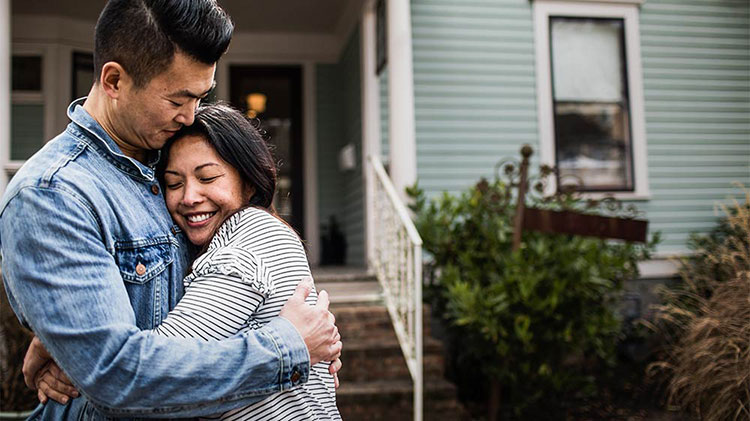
<point x="525" y="320"/>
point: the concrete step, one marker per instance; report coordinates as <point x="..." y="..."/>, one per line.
<point x="392" y="401"/>
<point x="346" y="286"/>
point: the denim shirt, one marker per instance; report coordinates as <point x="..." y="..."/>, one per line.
<point x="91" y="258"/>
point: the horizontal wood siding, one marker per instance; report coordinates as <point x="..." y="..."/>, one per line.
<point x="384" y="117"/>
<point x="474" y="87"/>
<point x="476" y="102"/>
<point x="696" y="71"/>
<point x="351" y="120"/>
<point x="340" y="193"/>
<point x="329" y="109"/>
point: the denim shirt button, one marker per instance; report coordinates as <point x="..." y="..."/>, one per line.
<point x="154" y="189"/>
<point x="295" y="376"/>
<point x="140" y="269"/>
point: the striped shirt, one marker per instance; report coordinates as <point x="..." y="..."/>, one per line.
<point x="251" y="268"/>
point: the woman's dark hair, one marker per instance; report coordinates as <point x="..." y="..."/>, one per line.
<point x="144" y="35"/>
<point x="239" y="143"/>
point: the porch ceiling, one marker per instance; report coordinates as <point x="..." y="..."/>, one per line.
<point x="299" y="16"/>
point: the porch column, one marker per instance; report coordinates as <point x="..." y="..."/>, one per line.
<point x="403" y="146"/>
<point x="5" y="91"/>
<point x="370" y="119"/>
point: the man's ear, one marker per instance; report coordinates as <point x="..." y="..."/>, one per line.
<point x="113" y="79"/>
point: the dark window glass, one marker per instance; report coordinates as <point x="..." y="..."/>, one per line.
<point x="592" y="123"/>
<point x="27" y="73"/>
<point x="26" y="130"/>
<point x="83" y="74"/>
<point x="381" y="37"/>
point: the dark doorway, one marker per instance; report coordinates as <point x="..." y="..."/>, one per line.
<point x="273" y="94"/>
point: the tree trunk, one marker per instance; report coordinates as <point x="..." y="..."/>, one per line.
<point x="493" y="411"/>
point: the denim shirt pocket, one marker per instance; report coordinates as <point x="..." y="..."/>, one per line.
<point x="143" y="266"/>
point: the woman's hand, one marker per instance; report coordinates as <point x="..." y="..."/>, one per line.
<point x="334" y="370"/>
<point x="52" y="383"/>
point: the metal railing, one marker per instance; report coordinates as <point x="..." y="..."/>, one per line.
<point x="397" y="263"/>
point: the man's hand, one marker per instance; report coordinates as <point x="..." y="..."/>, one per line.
<point x="35" y="359"/>
<point x="314" y="323"/>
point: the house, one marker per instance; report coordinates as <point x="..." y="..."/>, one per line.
<point x="647" y="100"/>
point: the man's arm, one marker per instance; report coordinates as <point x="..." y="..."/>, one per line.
<point x="68" y="288"/>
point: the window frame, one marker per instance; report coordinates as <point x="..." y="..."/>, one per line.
<point x="41" y="97"/>
<point x="628" y="11"/>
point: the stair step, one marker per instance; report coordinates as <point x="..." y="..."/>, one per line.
<point x="368" y="320"/>
<point x="382" y="359"/>
<point x="341" y="274"/>
<point x="351" y="292"/>
<point x="392" y="400"/>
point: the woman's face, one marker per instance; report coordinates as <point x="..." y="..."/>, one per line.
<point x="202" y="189"/>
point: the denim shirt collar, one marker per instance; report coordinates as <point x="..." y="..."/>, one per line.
<point x="84" y="120"/>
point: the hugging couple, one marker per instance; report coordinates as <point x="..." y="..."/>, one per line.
<point x="99" y="229"/>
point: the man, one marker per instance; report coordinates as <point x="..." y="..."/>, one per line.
<point x="91" y="256"/>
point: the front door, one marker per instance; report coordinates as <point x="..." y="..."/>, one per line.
<point x="273" y="94"/>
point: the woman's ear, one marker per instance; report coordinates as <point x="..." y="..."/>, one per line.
<point x="249" y="191"/>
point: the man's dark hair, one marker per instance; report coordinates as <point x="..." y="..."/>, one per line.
<point x="144" y="35"/>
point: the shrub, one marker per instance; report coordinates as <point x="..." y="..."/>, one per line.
<point x="528" y="320"/>
<point x="14" y="339"/>
<point x="706" y="323"/>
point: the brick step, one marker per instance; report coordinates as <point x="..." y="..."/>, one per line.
<point x="392" y="401"/>
<point x="381" y="359"/>
<point x="369" y="320"/>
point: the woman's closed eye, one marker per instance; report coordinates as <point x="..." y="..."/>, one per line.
<point x="172" y="186"/>
<point x="209" y="179"/>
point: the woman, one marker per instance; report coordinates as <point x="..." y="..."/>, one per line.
<point x="219" y="181"/>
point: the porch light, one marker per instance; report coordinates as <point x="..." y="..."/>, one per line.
<point x="256" y="104"/>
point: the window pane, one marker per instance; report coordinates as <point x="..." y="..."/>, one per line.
<point x="83" y="74"/>
<point x="592" y="121"/>
<point x="587" y="59"/>
<point x="593" y="145"/>
<point x="27" y="130"/>
<point x="27" y="73"/>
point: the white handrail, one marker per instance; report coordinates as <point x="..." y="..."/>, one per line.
<point x="397" y="262"/>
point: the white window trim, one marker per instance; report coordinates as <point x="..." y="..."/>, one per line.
<point x="628" y="11"/>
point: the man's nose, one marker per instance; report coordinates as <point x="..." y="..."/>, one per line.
<point x="186" y="117"/>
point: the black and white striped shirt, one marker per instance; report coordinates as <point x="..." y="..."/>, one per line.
<point x="251" y="268"/>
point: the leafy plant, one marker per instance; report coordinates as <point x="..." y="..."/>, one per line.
<point x="525" y="320"/>
<point x="14" y="339"/>
<point x="706" y="322"/>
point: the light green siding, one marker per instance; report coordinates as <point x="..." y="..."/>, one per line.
<point x="475" y="100"/>
<point x="696" y="71"/>
<point x="474" y="87"/>
<point x="384" y="116"/>
<point x="339" y="124"/>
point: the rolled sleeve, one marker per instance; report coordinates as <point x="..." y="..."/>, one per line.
<point x="294" y="361"/>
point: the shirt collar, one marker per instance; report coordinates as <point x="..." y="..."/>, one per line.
<point x="83" y="119"/>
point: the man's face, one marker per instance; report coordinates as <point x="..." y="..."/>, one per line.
<point x="146" y="117"/>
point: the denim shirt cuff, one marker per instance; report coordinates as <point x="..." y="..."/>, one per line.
<point x="295" y="359"/>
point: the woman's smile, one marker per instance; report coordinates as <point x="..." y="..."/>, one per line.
<point x="202" y="190"/>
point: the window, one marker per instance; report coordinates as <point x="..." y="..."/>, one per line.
<point x="27" y="110"/>
<point x="590" y="101"/>
<point x="83" y="75"/>
<point x="381" y="37"/>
